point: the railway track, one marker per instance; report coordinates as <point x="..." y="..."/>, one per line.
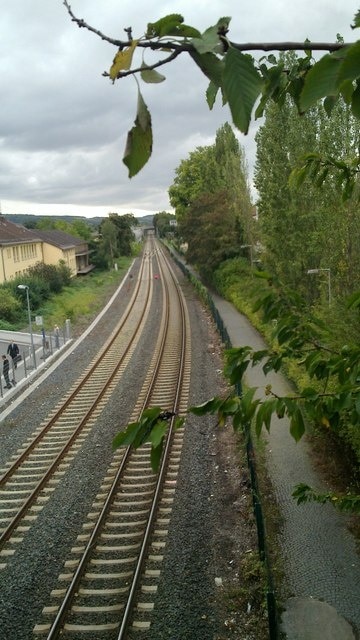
<point x="109" y="581"/>
<point x="28" y="481"/>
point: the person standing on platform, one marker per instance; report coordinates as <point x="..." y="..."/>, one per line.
<point x="57" y="336"/>
<point x="13" y="352"/>
<point x="6" y="368"/>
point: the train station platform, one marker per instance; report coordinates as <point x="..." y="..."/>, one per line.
<point x="36" y="356"/>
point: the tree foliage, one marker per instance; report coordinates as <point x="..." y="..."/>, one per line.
<point x="211" y="197"/>
<point x="115" y="237"/>
<point x="305" y="226"/>
<point x="77" y="228"/>
<point x="161" y="222"/>
<point x="244" y="83"/>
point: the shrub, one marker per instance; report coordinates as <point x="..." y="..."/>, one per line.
<point x="10" y="306"/>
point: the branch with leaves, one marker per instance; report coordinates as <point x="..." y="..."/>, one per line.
<point x="241" y="80"/>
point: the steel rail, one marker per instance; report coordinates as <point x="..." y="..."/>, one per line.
<point x="137" y="573"/>
<point x="59" y="621"/>
<point x="9" y="472"/>
<point x="8" y="531"/>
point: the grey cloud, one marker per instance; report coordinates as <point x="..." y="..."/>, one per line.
<point x="63" y="126"/>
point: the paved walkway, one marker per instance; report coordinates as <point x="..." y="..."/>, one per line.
<point x="319" y="553"/>
<point x="25" y="371"/>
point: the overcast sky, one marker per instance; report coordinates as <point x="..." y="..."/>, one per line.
<point x="63" y="126"/>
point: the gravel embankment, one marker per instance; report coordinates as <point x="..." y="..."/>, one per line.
<point x="208" y="532"/>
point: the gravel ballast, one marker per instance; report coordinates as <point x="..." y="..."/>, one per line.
<point x="211" y="525"/>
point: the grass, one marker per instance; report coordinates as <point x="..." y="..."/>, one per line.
<point x="83" y="298"/>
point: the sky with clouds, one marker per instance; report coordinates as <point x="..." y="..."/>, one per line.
<point x="63" y="126"/>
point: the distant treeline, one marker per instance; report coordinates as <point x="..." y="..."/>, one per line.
<point x="30" y="220"/>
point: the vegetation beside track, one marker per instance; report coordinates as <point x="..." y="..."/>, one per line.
<point x="237" y="282"/>
<point x="78" y="299"/>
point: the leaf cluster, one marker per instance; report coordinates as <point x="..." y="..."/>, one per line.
<point x="318" y="169"/>
<point x="347" y="502"/>
<point x="151" y="427"/>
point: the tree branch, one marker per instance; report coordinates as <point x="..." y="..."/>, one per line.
<point x="183" y="46"/>
<point x="123" y="74"/>
<point x="290" y="46"/>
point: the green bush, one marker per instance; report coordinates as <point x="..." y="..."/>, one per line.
<point x="10" y="306"/>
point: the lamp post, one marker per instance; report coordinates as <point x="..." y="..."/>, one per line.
<point x="329" y="279"/>
<point x="25" y="286"/>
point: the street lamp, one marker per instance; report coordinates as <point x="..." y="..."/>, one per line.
<point x="329" y="279"/>
<point x="25" y="286"/>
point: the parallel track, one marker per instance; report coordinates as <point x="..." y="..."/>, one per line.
<point x="110" y="581"/>
<point x="28" y="481"/>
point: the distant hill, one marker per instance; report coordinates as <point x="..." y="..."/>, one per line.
<point x="30" y="220"/>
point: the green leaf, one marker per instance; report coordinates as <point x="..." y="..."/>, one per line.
<point x="329" y="104"/>
<point x="164" y="25"/>
<point x="179" y="422"/>
<point x="211" y="93"/>
<point x="297" y="426"/>
<point x="155" y="457"/>
<point x="321" y="81"/>
<point x="127" y="437"/>
<point x="210" y="42"/>
<point x="347" y="90"/>
<point x="210" y="65"/>
<point x="150" y="75"/>
<point x="264" y="414"/>
<point x="350" y="65"/>
<point x="211" y="406"/>
<point x="242" y="86"/>
<point x="301" y="493"/>
<point x="158" y="432"/>
<point x="139" y="141"/>
<point x="230" y="405"/>
<point x="309" y="392"/>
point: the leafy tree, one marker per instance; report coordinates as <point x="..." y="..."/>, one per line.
<point x="304" y="226"/>
<point x="162" y="224"/>
<point x="211" y="232"/>
<point x="108" y="247"/>
<point x="115" y="238"/>
<point x="82" y="229"/>
<point x="213" y="176"/>
<point x="77" y="228"/>
<point x="124" y="234"/>
<point x="193" y="177"/>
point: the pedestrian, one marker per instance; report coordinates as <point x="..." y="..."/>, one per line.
<point x="57" y="336"/>
<point x="129" y="281"/>
<point x="13" y="352"/>
<point x="6" y="368"/>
